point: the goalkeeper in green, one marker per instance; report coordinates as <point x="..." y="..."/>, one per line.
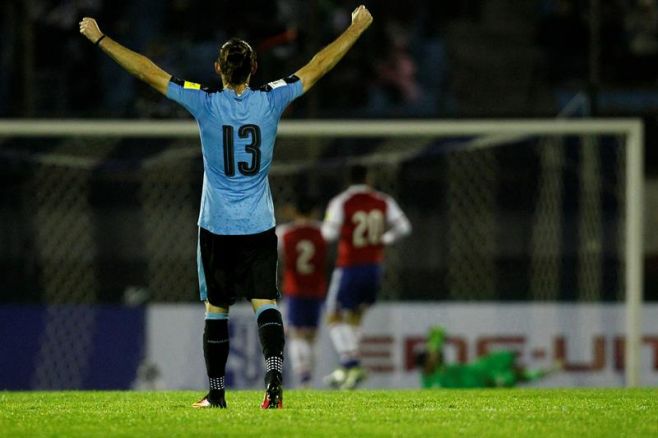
<point x="493" y="370"/>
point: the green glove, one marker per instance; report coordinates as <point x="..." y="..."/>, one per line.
<point x="435" y="339"/>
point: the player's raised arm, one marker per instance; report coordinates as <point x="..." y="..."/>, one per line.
<point x="328" y="57"/>
<point x="137" y="65"/>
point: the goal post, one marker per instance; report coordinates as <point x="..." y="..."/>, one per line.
<point x="634" y="250"/>
<point x="497" y="131"/>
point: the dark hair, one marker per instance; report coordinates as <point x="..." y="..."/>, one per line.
<point x="358" y="174"/>
<point x="237" y="60"/>
<point x="305" y="205"/>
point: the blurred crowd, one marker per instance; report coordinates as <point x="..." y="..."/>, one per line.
<point x="405" y="67"/>
<point x="628" y="39"/>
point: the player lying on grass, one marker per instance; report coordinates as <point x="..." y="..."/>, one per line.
<point x="493" y="370"/>
<point x="237" y="244"/>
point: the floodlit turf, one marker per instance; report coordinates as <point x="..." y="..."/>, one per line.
<point x="427" y="413"/>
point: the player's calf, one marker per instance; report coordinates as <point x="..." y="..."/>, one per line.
<point x="215" y="351"/>
<point x="270" y="331"/>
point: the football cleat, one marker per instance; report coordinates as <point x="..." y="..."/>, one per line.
<point x="206" y="402"/>
<point x="273" y="398"/>
<point x="354" y="377"/>
<point x="336" y="378"/>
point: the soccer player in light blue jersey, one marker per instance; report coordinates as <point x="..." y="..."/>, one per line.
<point x="237" y="248"/>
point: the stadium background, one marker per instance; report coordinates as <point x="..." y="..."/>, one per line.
<point x="96" y="234"/>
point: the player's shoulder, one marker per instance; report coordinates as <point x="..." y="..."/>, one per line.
<point x="271" y="86"/>
<point x="363" y="192"/>
<point x="188" y="85"/>
<point x="313" y="226"/>
<point x="382" y="196"/>
<point x="283" y="229"/>
<point x="366" y="192"/>
<point x="306" y="225"/>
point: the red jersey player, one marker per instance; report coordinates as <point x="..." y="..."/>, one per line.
<point x="363" y="221"/>
<point x="303" y="251"/>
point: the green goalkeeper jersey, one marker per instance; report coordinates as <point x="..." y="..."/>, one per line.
<point x="491" y="370"/>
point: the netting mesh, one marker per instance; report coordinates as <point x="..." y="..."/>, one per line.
<point x="523" y="218"/>
<point x="57" y="196"/>
<point x="65" y="348"/>
<point x="169" y="207"/>
<point x="546" y="236"/>
<point x="579" y="222"/>
<point x="589" y="246"/>
<point x="471" y="180"/>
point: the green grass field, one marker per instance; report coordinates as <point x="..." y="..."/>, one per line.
<point x="509" y="413"/>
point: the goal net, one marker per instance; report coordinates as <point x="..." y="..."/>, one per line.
<point x="542" y="210"/>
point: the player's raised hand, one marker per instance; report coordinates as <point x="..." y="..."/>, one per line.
<point x="361" y="18"/>
<point x="90" y="29"/>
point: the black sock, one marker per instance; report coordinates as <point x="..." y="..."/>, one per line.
<point x="270" y="332"/>
<point x="215" y="351"/>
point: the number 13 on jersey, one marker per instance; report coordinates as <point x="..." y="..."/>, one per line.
<point x="245" y="131"/>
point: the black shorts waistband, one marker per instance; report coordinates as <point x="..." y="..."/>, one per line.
<point x="243" y="237"/>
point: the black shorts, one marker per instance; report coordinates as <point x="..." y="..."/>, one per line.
<point x="237" y="266"/>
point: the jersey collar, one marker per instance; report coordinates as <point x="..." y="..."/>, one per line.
<point x="236" y="95"/>
<point x="359" y="188"/>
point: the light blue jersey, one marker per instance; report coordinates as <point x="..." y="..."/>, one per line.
<point x="237" y="143"/>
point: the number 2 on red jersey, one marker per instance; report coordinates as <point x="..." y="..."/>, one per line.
<point x="305" y="252"/>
